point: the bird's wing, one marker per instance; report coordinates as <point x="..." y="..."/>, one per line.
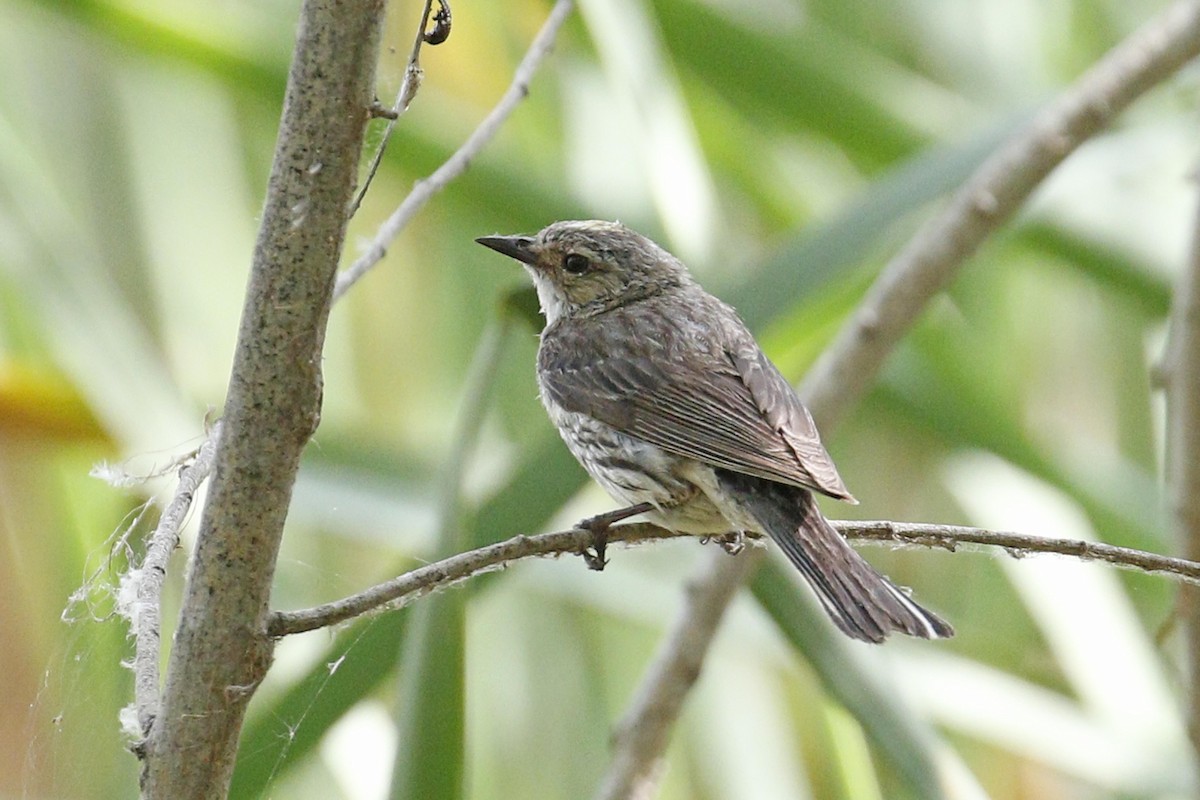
<point x="693" y="387"/>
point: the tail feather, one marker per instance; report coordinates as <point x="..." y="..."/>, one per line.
<point x="861" y="602"/>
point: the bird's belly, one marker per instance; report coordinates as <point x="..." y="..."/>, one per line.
<point x="634" y="471"/>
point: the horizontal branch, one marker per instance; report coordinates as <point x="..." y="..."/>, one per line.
<point x="401" y="590"/>
<point x="1019" y="545"/>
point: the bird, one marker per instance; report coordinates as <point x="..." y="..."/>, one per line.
<point x="665" y="398"/>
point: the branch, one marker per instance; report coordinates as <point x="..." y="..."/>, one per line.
<point x="1020" y="545"/>
<point x="457" y="164"/>
<point x="929" y="262"/>
<point x="399" y="591"/>
<point x="145" y="612"/>
<point x="1183" y="438"/>
<point x="165" y="538"/>
<point x="898" y="297"/>
<point x="221" y="651"/>
<point x="402" y="590"/>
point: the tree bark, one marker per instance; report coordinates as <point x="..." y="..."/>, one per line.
<point x="221" y="650"/>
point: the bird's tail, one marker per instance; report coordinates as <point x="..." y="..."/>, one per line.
<point x="860" y="601"/>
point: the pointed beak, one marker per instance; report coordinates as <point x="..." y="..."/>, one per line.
<point x="519" y="247"/>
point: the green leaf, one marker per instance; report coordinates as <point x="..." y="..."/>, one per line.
<point x="430" y="713"/>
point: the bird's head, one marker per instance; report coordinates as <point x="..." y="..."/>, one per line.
<point x="589" y="266"/>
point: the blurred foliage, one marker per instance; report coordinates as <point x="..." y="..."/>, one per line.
<point x="784" y="149"/>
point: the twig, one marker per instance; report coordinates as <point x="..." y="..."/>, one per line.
<point x="400" y="591"/>
<point x="425" y="189"/>
<point x="925" y="267"/>
<point x="145" y="611"/>
<point x="145" y="614"/>
<point x="1019" y="545"/>
<point x="404" y="97"/>
<point x="1183" y="477"/>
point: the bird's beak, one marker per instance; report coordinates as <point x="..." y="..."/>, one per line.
<point x="519" y="247"/>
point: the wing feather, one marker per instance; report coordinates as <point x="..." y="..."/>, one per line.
<point x="694" y="387"/>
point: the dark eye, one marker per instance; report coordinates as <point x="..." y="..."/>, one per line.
<point x="576" y="264"/>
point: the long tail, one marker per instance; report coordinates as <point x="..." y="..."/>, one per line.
<point x="860" y="601"/>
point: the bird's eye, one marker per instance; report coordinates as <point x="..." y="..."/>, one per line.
<point x="576" y="264"/>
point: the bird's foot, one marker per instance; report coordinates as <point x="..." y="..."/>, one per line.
<point x="598" y="527"/>
<point x="733" y="542"/>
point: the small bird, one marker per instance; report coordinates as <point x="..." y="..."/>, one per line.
<point x="663" y="395"/>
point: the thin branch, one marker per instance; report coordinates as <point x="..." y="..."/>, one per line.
<point x="221" y="651"/>
<point x="404" y="97"/>
<point x="402" y="590"/>
<point x="925" y="267"/>
<point x="1019" y="545"/>
<point x="399" y="591"/>
<point x="425" y="189"/>
<point x="146" y="611"/>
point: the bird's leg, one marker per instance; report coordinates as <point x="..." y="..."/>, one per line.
<point x="598" y="526"/>
<point x="733" y="542"/>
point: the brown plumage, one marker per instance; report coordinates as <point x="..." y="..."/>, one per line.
<point x="665" y="398"/>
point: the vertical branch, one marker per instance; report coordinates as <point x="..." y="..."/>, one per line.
<point x="1183" y="441"/>
<point x="221" y="650"/>
<point x="145" y="613"/>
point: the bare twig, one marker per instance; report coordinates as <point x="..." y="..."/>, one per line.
<point x="146" y="611"/>
<point x="1183" y="480"/>
<point x="425" y="189"/>
<point x="920" y="271"/>
<point x="402" y="590"/>
<point x="404" y="97"/>
<point x="1019" y="545"/>
<point x="221" y="651"/>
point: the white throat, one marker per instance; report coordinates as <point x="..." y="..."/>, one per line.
<point x="551" y="302"/>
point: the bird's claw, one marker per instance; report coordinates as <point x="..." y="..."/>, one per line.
<point x="594" y="558"/>
<point x="732" y="543"/>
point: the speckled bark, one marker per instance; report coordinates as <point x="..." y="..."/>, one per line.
<point x="221" y="650"/>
